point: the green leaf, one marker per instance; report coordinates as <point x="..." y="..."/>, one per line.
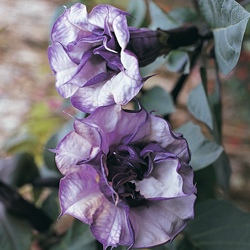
<point x="138" y="9"/>
<point x="160" y="19"/>
<point x="157" y="99"/>
<point x="203" y="151"/>
<point x="218" y="225"/>
<point x="183" y="15"/>
<point x="199" y="107"/>
<point x="51" y="205"/>
<point x="15" y="234"/>
<point x="178" y="61"/>
<point x="223" y="171"/>
<point x="78" y="237"/>
<point x="228" y="21"/>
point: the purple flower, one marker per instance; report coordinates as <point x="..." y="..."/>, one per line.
<point x="96" y="56"/>
<point x="127" y="176"/>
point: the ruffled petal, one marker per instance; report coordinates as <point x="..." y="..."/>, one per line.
<point x="116" y="122"/>
<point x="160" y="221"/>
<point x="82" y="144"/>
<point x="156" y="129"/>
<point x="81" y="197"/>
<point x="164" y="181"/>
<point x="114" y="18"/>
<point x="71" y="25"/>
<point x="64" y="69"/>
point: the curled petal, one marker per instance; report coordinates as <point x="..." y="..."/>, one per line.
<point x="71" y="25"/>
<point x="64" y="69"/>
<point x="82" y="144"/>
<point x="156" y="129"/>
<point x="81" y="197"/>
<point x="160" y="221"/>
<point x="164" y="181"/>
<point x="115" y="19"/>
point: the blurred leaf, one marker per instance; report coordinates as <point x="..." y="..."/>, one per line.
<point x="205" y="180"/>
<point x="183" y="15"/>
<point x="199" y="107"/>
<point x="15" y="204"/>
<point x="157" y="99"/>
<point x="203" y="151"/>
<point x="223" y="171"/>
<point x="147" y="70"/>
<point x="138" y="9"/>
<point x="51" y="205"/>
<point x="178" y="61"/>
<point x="160" y="19"/>
<point x="218" y="225"/>
<point x="78" y="237"/>
<point x="228" y="21"/>
<point x="25" y="169"/>
<point x="15" y="234"/>
<point x="23" y="142"/>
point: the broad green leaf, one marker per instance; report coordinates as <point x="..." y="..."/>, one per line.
<point x="228" y="21"/>
<point x="138" y="9"/>
<point x="178" y="61"/>
<point x="183" y="15"/>
<point x="218" y="225"/>
<point x="223" y="171"/>
<point x="203" y="151"/>
<point x="157" y="99"/>
<point x="78" y="237"/>
<point x="160" y="19"/>
<point x="15" y="234"/>
<point x="199" y="107"/>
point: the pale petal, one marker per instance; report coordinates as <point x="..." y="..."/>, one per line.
<point x="124" y="86"/>
<point x="64" y="69"/>
<point x="71" y="25"/>
<point x="87" y="99"/>
<point x="84" y="144"/>
<point x="81" y="197"/>
<point x="163" y="182"/>
<point x="160" y="221"/>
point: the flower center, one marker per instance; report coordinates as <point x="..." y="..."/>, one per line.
<point x="125" y="165"/>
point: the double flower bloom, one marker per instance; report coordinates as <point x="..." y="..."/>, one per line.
<point x="126" y="173"/>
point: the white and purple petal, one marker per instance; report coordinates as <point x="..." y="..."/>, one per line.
<point x="81" y="197"/>
<point x="160" y="221"/>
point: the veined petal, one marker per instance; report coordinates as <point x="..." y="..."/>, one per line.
<point x="82" y="144"/>
<point x="160" y="221"/>
<point x="87" y="99"/>
<point x="81" y="197"/>
<point x="71" y="25"/>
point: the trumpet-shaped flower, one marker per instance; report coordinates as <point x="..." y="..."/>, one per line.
<point x="128" y="176"/>
<point x="96" y="56"/>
